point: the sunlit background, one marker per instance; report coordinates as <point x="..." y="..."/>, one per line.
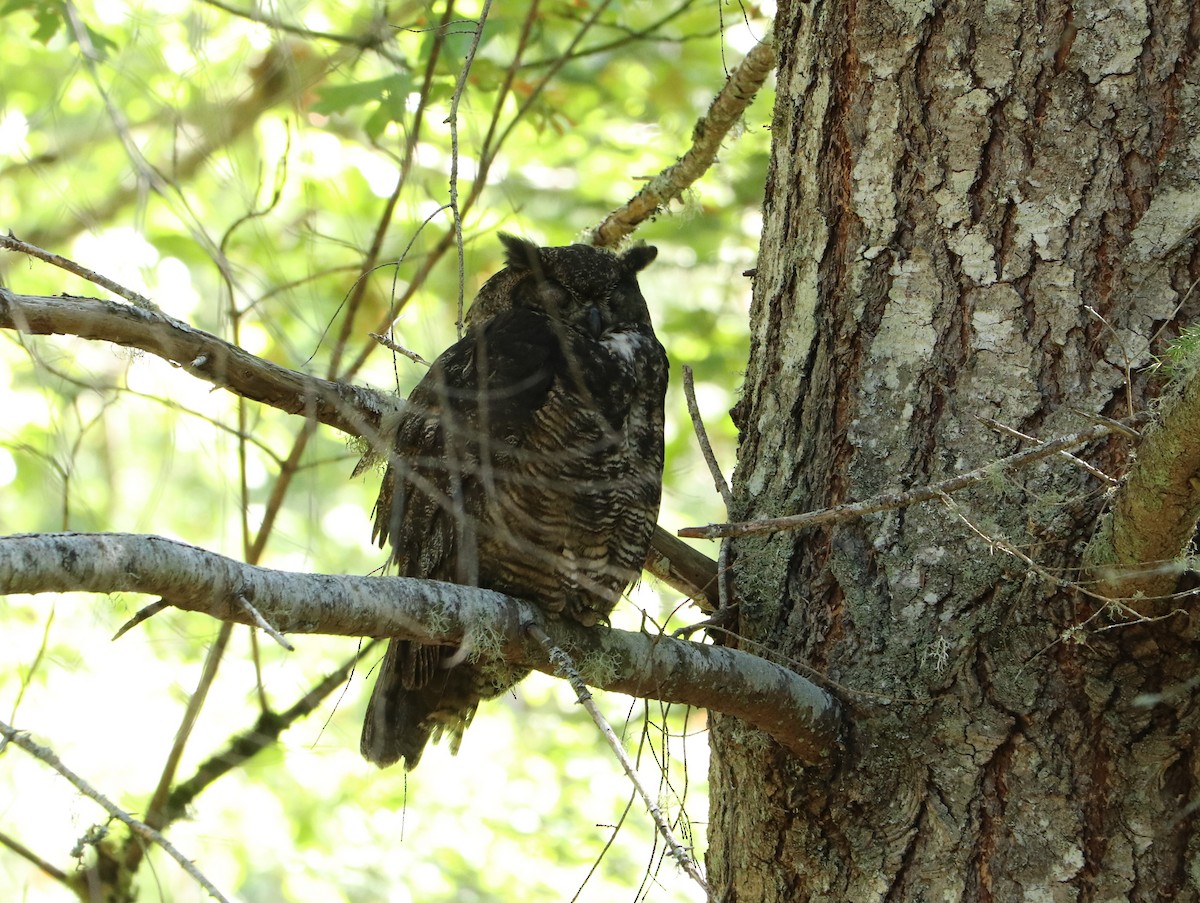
<point x="235" y="167"/>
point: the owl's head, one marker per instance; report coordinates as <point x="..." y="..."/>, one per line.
<point x="579" y="285"/>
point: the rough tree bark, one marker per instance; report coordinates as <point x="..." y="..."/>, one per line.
<point x="975" y="210"/>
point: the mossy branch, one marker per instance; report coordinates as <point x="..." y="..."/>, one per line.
<point x="726" y="109"/>
<point x="1152" y="520"/>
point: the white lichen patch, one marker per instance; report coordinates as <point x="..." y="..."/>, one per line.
<point x="904" y="343"/>
<point x="978" y="257"/>
<point x="1001" y="372"/>
<point x="1111" y="36"/>
<point x="798" y="332"/>
<point x="915" y="11"/>
<point x="1172" y="216"/>
<point x="874" y="195"/>
<point x="1046" y="223"/>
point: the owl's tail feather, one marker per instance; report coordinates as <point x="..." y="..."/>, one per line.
<point x="411" y="704"/>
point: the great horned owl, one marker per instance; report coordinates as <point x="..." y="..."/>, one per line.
<point x="528" y="461"/>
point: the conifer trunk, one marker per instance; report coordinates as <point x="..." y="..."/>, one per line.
<point x="976" y="212"/>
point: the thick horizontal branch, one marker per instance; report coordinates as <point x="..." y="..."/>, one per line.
<point x="356" y="410"/>
<point x="1154" y="512"/>
<point x="798" y="714"/>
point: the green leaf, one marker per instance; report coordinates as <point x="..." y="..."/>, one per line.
<point x="47" y="16"/>
<point x="385" y="91"/>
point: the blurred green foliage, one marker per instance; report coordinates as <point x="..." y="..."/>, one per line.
<point x="236" y="164"/>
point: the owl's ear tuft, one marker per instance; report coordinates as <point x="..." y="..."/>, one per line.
<point x="639" y="258"/>
<point x="522" y="254"/>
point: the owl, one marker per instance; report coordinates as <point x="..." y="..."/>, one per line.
<point x="528" y="460"/>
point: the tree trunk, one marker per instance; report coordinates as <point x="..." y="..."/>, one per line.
<point x="984" y="210"/>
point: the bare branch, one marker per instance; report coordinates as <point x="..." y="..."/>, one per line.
<point x="565" y="668"/>
<point x="262" y="624"/>
<point x="352" y="409"/>
<point x="373" y="38"/>
<point x="399" y="349"/>
<point x="724" y="572"/>
<point x="463" y="76"/>
<point x="688" y="570"/>
<point x="21" y="739"/>
<point x="852" y="510"/>
<point x="10" y="242"/>
<point x="706" y="449"/>
<point x="744" y="82"/>
<point x="196" y="700"/>
<point x="1025" y="437"/>
<point x="28" y="855"/>
<point x="797" y="713"/>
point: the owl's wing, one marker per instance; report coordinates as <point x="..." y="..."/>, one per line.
<point x="482" y="390"/>
<point x="477" y="399"/>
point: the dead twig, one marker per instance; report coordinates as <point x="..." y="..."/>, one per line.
<point x="141" y="829"/>
<point x="262" y="623"/>
<point x="852" y="510"/>
<point x="10" y="242"/>
<point x="399" y="349"/>
<point x="706" y="449"/>
<point x="724" y="573"/>
<point x="566" y="669"/>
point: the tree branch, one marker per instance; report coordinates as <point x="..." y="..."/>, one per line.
<point x="743" y="83"/>
<point x="356" y="410"/>
<point x="1154" y="512"/>
<point x="142" y="830"/>
<point x="352" y="409"/>
<point x="878" y="503"/>
<point x="798" y="714"/>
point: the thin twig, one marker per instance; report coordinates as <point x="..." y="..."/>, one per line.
<point x="714" y="468"/>
<point x="566" y="669"/>
<point x="154" y="812"/>
<point x="1124" y="353"/>
<point x="373" y="39"/>
<point x="28" y="676"/>
<point x="724" y="579"/>
<point x="387" y="215"/>
<point x="1025" y="437"/>
<point x="724" y="574"/>
<point x="28" y="855"/>
<point x="399" y="349"/>
<point x="852" y="510"/>
<point x="530" y="98"/>
<point x="144" y="614"/>
<point x="141" y="829"/>
<point x="147" y="173"/>
<point x="459" y="87"/>
<point x="10" y="242"/>
<point x="262" y="623"/>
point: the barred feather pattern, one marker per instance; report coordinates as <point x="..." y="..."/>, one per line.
<point x="528" y="461"/>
